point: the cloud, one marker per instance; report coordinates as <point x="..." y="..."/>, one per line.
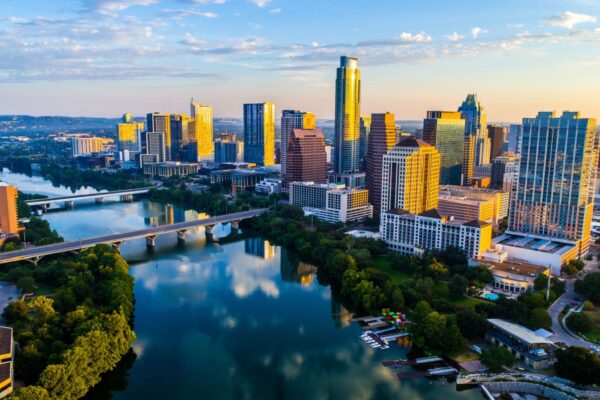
<point x="475" y="32"/>
<point x="113" y="6"/>
<point x="570" y="19"/>
<point x="179" y="14"/>
<point x="418" y="38"/>
<point x="260" y="3"/>
<point x="454" y="37"/>
<point x="275" y="10"/>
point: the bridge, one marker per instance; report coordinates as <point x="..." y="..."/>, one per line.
<point x="35" y="254"/>
<point x="125" y="195"/>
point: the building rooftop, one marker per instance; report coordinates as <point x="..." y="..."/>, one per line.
<point x="546" y="245"/>
<point x="520" y="332"/>
<point x="434" y="213"/>
<point x="516" y="267"/>
<point x="6" y="341"/>
<point x="304" y="133"/>
<point x="413" y="142"/>
<point x="476" y="223"/>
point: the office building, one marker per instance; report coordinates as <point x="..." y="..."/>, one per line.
<point x="306" y="158"/>
<point x="482" y="171"/>
<point x="157" y="122"/>
<point x="497" y="135"/>
<point x="509" y="162"/>
<point x="87" y="145"/>
<point x="475" y="124"/>
<point x="201" y="132"/>
<point x="552" y="205"/>
<point x="259" y="133"/>
<point x="363" y="147"/>
<point x="9" y="218"/>
<point x="347" y="117"/>
<point x="446" y="131"/>
<point x="514" y="139"/>
<point x="382" y="138"/>
<point x="269" y="186"/>
<point x="331" y="202"/>
<point x="290" y="120"/>
<point x="410" y="177"/>
<point x="156" y="145"/>
<point x="228" y="149"/>
<point x="499" y="198"/>
<point x="514" y="277"/>
<point x="464" y="208"/>
<point x="243" y="179"/>
<point x="468" y="163"/>
<point x="170" y="168"/>
<point x="180" y="138"/>
<point x="413" y="234"/>
<point x="129" y="133"/>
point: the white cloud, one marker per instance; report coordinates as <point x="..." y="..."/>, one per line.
<point x="415" y="38"/>
<point x="260" y="3"/>
<point x="112" y="6"/>
<point x="275" y="10"/>
<point x="475" y="32"/>
<point x="570" y="19"/>
<point x="454" y="37"/>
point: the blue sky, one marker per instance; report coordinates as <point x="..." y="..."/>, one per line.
<point x="105" y="57"/>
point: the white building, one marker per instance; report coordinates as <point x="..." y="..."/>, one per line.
<point x="331" y="202"/>
<point x="88" y="145"/>
<point x="269" y="186"/>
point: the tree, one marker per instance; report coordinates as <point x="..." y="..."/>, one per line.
<point x="539" y="318"/>
<point x="437" y="271"/>
<point x="471" y="324"/>
<point x="458" y="285"/>
<point x="31" y="393"/>
<point x="26" y="284"/>
<point x="579" y="322"/>
<point x="579" y="365"/>
<point x="434" y="332"/>
<point x="589" y="287"/>
<point x="497" y="357"/>
<point x="569" y="270"/>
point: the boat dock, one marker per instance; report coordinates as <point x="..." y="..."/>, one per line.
<point x="417" y="361"/>
<point x="430" y="373"/>
<point x="444" y="367"/>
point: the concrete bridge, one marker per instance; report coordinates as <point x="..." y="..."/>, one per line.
<point x="35" y="254"/>
<point x="124" y="195"/>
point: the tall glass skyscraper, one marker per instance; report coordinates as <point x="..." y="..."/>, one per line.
<point x="259" y="133"/>
<point x="290" y="120"/>
<point x="446" y="131"/>
<point x="553" y="197"/>
<point x="476" y="124"/>
<point x="347" y="116"/>
<point x="382" y="138"/>
<point x="201" y="132"/>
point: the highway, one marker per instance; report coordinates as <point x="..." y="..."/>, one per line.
<point x="75" y="245"/>
<point x="39" y="202"/>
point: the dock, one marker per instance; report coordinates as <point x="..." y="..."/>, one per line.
<point x="428" y="360"/>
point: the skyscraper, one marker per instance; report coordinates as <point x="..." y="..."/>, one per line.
<point x="514" y="139"/>
<point x="410" y="177"/>
<point x="155" y="144"/>
<point x="553" y="197"/>
<point x="446" y="131"/>
<point x="9" y="221"/>
<point x="228" y="149"/>
<point x="347" y="116"/>
<point x="497" y="135"/>
<point x="201" y="132"/>
<point x="382" y="137"/>
<point x="363" y="147"/>
<point x="157" y="122"/>
<point x="129" y="133"/>
<point x="468" y="160"/>
<point x="259" y="133"/>
<point x="475" y="124"/>
<point x="290" y="120"/>
<point x="306" y="158"/>
<point x="180" y="137"/>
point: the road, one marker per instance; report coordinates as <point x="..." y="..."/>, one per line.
<point x="33" y="252"/>
<point x="560" y="333"/>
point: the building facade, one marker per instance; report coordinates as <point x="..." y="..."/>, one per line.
<point x="468" y="159"/>
<point x="158" y="122"/>
<point x="9" y="218"/>
<point x="156" y="145"/>
<point x="180" y="138"/>
<point x="290" y="120"/>
<point x="499" y="198"/>
<point x="306" y="158"/>
<point x="446" y="131"/>
<point x="228" y="149"/>
<point x="170" y="168"/>
<point x="81" y="146"/>
<point x="129" y="134"/>
<point x="476" y="124"/>
<point x="201" y="132"/>
<point x="347" y="116"/>
<point x="410" y="177"/>
<point x="507" y="163"/>
<point x="382" y="138"/>
<point x="363" y="147"/>
<point x="497" y="135"/>
<point x="259" y="133"/>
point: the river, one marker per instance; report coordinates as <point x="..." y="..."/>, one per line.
<point x="242" y="320"/>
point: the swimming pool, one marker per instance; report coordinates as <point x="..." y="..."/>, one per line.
<point x="491" y="296"/>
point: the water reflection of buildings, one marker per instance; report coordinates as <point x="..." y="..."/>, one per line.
<point x="259" y="247"/>
<point x="341" y="316"/>
<point x="294" y="270"/>
<point x="166" y="214"/>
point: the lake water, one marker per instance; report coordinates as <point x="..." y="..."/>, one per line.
<point x="242" y="320"/>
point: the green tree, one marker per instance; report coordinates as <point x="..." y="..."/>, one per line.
<point x="579" y="322"/>
<point x="458" y="285"/>
<point x="589" y="287"/>
<point x="31" y="393"/>
<point x="26" y="284"/>
<point x="437" y="271"/>
<point x="497" y="357"/>
<point x="471" y="324"/>
<point x="579" y="365"/>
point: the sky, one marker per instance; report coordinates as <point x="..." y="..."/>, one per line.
<point x="107" y="57"/>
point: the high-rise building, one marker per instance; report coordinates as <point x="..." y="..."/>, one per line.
<point x="180" y="137"/>
<point x="155" y="145"/>
<point x="9" y="220"/>
<point x="382" y="137"/>
<point x="475" y="124"/>
<point x="290" y="120"/>
<point x="410" y="177"/>
<point x="552" y="201"/>
<point x="157" y="122"/>
<point x="259" y="133"/>
<point x="468" y="160"/>
<point x="446" y="131"/>
<point x="514" y="139"/>
<point x="508" y="162"/>
<point x="363" y="147"/>
<point x="306" y="158"/>
<point x="129" y="133"/>
<point x="347" y="117"/>
<point x="201" y="132"/>
<point x="87" y="145"/>
<point x="228" y="149"/>
<point x="497" y="135"/>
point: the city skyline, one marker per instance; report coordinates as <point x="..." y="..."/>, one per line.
<point x="150" y="55"/>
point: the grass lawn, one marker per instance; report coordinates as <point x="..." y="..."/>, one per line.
<point x="43" y="290"/>
<point x="384" y="265"/>
<point x="464" y="354"/>
<point x="441" y="290"/>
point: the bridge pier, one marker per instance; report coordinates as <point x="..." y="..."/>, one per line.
<point x="181" y="235"/>
<point x="99" y="200"/>
<point x="116" y="245"/>
<point x="151" y="241"/>
<point x="208" y="231"/>
<point x="68" y="204"/>
<point x="34" y="260"/>
<point x="44" y="207"/>
<point x="235" y="226"/>
<point x="128" y="198"/>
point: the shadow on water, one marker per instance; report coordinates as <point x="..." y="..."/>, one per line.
<point x="113" y="381"/>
